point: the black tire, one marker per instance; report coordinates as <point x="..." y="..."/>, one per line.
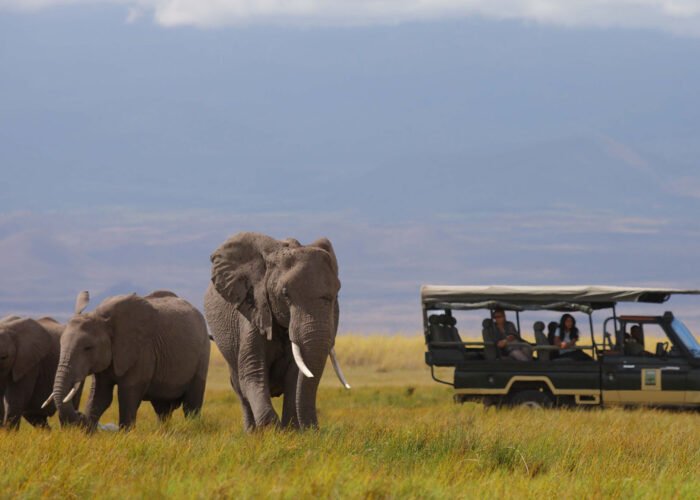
<point x="493" y="402"/>
<point x="532" y="399"/>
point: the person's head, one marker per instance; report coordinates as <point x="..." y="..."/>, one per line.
<point x="567" y="323"/>
<point x="636" y="333"/>
<point x="499" y="316"/>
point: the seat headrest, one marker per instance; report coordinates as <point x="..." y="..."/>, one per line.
<point x="552" y="326"/>
<point x="538" y="326"/>
<point x="442" y="319"/>
<point x="487" y="323"/>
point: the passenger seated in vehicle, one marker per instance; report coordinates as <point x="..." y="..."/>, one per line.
<point x="634" y="344"/>
<point x="565" y="337"/>
<point x="504" y="334"/>
<point x="541" y="340"/>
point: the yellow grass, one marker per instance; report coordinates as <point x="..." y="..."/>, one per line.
<point x="395" y="434"/>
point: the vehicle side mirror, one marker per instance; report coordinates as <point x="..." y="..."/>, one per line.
<point x="661" y="349"/>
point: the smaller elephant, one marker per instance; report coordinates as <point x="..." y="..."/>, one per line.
<point x="29" y="351"/>
<point x="153" y="348"/>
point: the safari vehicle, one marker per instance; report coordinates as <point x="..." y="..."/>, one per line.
<point x="610" y="374"/>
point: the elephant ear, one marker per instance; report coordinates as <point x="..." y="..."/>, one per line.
<point x="132" y="321"/>
<point x="239" y="270"/>
<point x="325" y="244"/>
<point x="32" y="344"/>
<point x="81" y="302"/>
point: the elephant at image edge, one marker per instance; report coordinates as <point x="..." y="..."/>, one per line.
<point x="153" y="348"/>
<point x="29" y="351"/>
<point x="272" y="308"/>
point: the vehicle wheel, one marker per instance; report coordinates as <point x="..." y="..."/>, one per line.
<point x="532" y="399"/>
<point x="492" y="401"/>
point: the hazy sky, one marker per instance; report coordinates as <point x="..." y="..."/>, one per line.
<point x="461" y="142"/>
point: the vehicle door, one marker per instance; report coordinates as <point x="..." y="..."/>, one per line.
<point x="610" y="362"/>
<point x="650" y="377"/>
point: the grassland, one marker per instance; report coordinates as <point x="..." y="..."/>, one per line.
<point x="395" y="434"/>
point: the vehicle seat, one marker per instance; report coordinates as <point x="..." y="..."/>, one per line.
<point x="490" y="351"/>
<point x="442" y="329"/>
<point x="541" y="339"/>
<point x="552" y="330"/>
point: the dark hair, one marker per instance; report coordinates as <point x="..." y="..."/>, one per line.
<point x="574" y="330"/>
<point x="498" y="309"/>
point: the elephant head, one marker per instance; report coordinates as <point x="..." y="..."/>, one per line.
<point x="23" y="344"/>
<point x="108" y="338"/>
<point x="291" y="286"/>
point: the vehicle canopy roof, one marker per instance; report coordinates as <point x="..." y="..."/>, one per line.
<point x="557" y="298"/>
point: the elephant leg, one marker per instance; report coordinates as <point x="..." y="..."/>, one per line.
<point x="248" y="417"/>
<point x="246" y="410"/>
<point x="129" y="401"/>
<point x="17" y="396"/>
<point x="164" y="408"/>
<point x="289" y="410"/>
<point x="2" y="407"/>
<point x="253" y="379"/>
<point x="101" y="395"/>
<point x="39" y="421"/>
<point x="194" y="398"/>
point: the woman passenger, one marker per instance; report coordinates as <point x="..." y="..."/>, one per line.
<point x="566" y="335"/>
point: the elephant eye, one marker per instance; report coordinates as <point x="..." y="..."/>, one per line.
<point x="88" y="348"/>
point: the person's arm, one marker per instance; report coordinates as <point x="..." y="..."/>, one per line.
<point x="490" y="336"/>
<point x="557" y="338"/>
<point x="573" y="339"/>
<point x="512" y="333"/>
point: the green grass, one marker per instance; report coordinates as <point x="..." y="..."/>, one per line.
<point x="395" y="434"/>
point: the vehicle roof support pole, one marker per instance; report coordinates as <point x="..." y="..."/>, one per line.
<point x="517" y="319"/>
<point x="617" y="341"/>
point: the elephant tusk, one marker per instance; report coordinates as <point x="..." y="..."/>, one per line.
<point x="338" y="371"/>
<point x="48" y="401"/>
<point x="72" y="392"/>
<point x="296" y="351"/>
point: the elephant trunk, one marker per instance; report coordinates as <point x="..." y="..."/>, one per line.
<point x="314" y="353"/>
<point x="63" y="385"/>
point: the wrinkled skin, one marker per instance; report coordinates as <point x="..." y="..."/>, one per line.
<point x="29" y="353"/>
<point x="152" y="348"/>
<point x="266" y="294"/>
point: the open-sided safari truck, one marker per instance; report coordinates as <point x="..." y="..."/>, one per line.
<point x="607" y="369"/>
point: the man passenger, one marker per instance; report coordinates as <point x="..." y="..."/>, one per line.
<point x="503" y="334"/>
<point x="634" y="345"/>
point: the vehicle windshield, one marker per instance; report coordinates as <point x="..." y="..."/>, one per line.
<point x="686" y="337"/>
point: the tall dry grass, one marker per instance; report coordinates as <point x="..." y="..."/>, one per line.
<point x="398" y="436"/>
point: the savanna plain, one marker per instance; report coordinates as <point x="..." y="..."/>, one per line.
<point x="395" y="434"/>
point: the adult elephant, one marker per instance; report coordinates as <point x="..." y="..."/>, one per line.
<point x="272" y="308"/>
<point x="29" y="351"/>
<point x="153" y="348"/>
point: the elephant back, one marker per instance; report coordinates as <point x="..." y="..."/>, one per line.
<point x="159" y="294"/>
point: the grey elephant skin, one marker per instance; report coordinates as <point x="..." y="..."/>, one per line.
<point x="29" y="351"/>
<point x="272" y="308"/>
<point x="153" y="348"/>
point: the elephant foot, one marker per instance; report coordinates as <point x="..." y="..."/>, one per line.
<point x="267" y="420"/>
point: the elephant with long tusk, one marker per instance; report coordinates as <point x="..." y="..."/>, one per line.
<point x="29" y="351"/>
<point x="272" y="309"/>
